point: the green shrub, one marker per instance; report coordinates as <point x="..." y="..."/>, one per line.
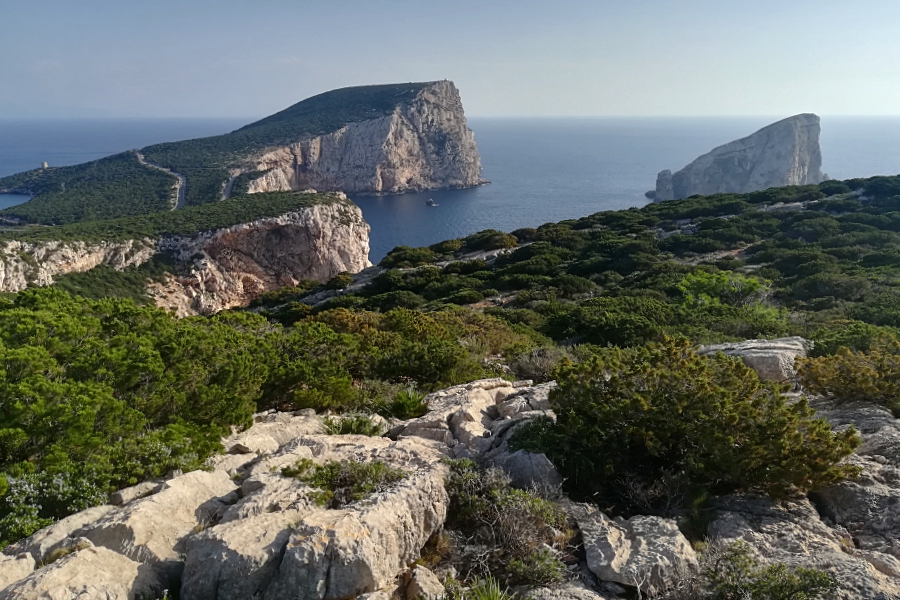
<point x="404" y="257"/>
<point x="730" y="572"/>
<point x="406" y="404"/>
<point x="340" y="483"/>
<point x="352" y="425"/>
<point x="512" y="524"/>
<point x="848" y="376"/>
<point x="339" y="281"/>
<point x="541" y="567"/>
<point x="653" y="428"/>
<point x="486" y="588"/>
<point x="468" y="296"/>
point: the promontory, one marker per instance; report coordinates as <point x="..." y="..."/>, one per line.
<point x="784" y="153"/>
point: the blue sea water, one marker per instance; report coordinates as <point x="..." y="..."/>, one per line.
<point x="541" y="170"/>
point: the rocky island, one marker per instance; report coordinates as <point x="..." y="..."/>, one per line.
<point x="784" y="153"/>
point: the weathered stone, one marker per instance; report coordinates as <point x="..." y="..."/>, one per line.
<point x="135" y="492"/>
<point x="88" y="573"/>
<point x="649" y="553"/>
<point x="773" y="360"/>
<point x="14" y="568"/>
<point x="528" y="470"/>
<point x="41" y="542"/>
<point x="784" y="153"/>
<point x="424" y="585"/>
<point x="151" y="530"/>
<point x="793" y="533"/>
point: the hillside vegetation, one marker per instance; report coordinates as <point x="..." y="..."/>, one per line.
<point x="112" y="187"/>
<point x="118" y="186"/>
<point x="187" y="221"/>
<point x="98" y="394"/>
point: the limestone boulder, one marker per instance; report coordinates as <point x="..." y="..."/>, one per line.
<point x="42" y="542"/>
<point x="277" y="543"/>
<point x="151" y="530"/>
<point x="567" y="591"/>
<point x="14" y="568"/>
<point x="794" y="534"/>
<point x="645" y="552"/>
<point x="773" y="360"/>
<point x="424" y="585"/>
<point x="89" y="573"/>
<point x="135" y="492"/>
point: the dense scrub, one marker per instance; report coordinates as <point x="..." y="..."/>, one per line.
<point x="657" y="429"/>
<point x="817" y="261"/>
<point x="109" y="188"/>
<point x="185" y="221"/>
<point x="97" y="395"/>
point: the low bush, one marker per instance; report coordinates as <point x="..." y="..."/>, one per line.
<point x="731" y="572"/>
<point x="847" y="376"/>
<point x="653" y="429"/>
<point x="406" y="404"/>
<point x="337" y="484"/>
<point x="510" y="524"/>
<point x="352" y="425"/>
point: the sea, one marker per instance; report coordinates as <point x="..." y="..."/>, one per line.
<point x="541" y="169"/>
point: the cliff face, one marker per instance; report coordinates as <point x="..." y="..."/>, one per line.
<point x="223" y="268"/>
<point x="784" y="153"/>
<point x="423" y="144"/>
<point x="38" y="263"/>
<point x="232" y="266"/>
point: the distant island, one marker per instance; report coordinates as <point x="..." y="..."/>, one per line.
<point x="784" y="153"/>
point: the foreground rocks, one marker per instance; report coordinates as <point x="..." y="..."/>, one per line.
<point x="244" y="530"/>
<point x="784" y="153"/>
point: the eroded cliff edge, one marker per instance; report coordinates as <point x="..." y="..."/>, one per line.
<point x="784" y="153"/>
<point x="217" y="269"/>
<point x="423" y="144"/>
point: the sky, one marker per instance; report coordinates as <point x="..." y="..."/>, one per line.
<point x="509" y="58"/>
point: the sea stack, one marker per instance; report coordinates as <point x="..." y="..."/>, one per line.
<point x="784" y="153"/>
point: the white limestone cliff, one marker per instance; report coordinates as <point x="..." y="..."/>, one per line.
<point x="226" y="267"/>
<point x="424" y="144"/>
<point x="784" y="153"/>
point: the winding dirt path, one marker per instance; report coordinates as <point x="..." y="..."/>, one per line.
<point x="180" y="187"/>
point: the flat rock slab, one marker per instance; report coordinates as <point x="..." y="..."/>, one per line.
<point x="773" y="360"/>
<point x="92" y="573"/>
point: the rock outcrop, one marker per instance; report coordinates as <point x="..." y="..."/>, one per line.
<point x="784" y="153"/>
<point x="224" y="267"/>
<point x="773" y="360"/>
<point x="648" y="553"/>
<point x="423" y="144"/>
<point x="245" y="529"/>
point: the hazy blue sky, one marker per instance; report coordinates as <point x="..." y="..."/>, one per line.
<point x="219" y="58"/>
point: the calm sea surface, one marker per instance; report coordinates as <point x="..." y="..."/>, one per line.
<point x="540" y="169"/>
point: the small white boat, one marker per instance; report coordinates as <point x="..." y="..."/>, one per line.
<point x="431" y="202"/>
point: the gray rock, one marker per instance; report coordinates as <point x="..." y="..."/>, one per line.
<point x="423" y="144"/>
<point x="648" y="553"/>
<point x="528" y="470"/>
<point x="784" y="153"/>
<point x="88" y="573"/>
<point x="773" y="360"/>
<point x="424" y="585"/>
